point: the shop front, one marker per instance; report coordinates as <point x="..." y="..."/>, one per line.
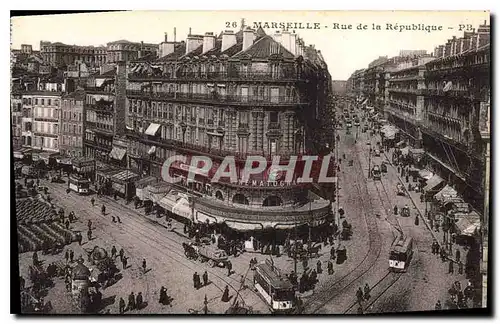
<point x="122" y="183"/>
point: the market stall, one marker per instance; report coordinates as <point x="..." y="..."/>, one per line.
<point x="123" y="183"/>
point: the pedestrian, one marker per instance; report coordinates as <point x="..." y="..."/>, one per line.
<point x="318" y="267"/>
<point x="66" y="256"/>
<point x="71" y="255"/>
<point x="131" y="301"/>
<point x="139" y="300"/>
<point x="79" y="238"/>
<point x="195" y="283"/>
<point x="89" y="235"/>
<point x="332" y="252"/>
<point x="162" y="295"/>
<point x="124" y="262"/>
<point x="103" y="209"/>
<point x="457" y="255"/>
<point x="395" y="210"/>
<point x="92" y="201"/>
<point x="225" y="295"/>
<point x="67" y="224"/>
<point x="460" y="267"/>
<point x="313" y="277"/>
<point x="330" y="267"/>
<point x="114" y="219"/>
<point x="416" y="220"/>
<point x="121" y="306"/>
<point x="144" y="265"/>
<point x="359" y="295"/>
<point x="89" y="224"/>
<point x="367" y="291"/>
<point x="121" y="254"/>
<point x="205" y="278"/>
<point x="113" y="252"/>
<point x="304" y="263"/>
<point x="229" y="267"/>
<point x="450" y="266"/>
<point x="119" y="220"/>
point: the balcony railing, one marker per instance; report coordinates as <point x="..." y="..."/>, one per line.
<point x="100" y="90"/>
<point x="220" y="76"/>
<point x="458" y="93"/>
<point x="214" y="97"/>
<point x="273" y="125"/>
<point x="407" y="90"/>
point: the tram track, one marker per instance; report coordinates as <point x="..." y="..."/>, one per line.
<point x="156" y="244"/>
<point x="335" y="289"/>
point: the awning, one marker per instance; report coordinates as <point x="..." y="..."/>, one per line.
<point x="446" y="192"/>
<point x="405" y="151"/>
<point x="417" y="151"/>
<point x="215" y="134"/>
<point x="144" y="182"/>
<point x="142" y="193"/>
<point x="66" y="161"/>
<point x="117" y="153"/>
<point x="168" y="202"/>
<point x="468" y="224"/>
<point x="183" y="209"/>
<point x="425" y="174"/>
<point x="152" y="150"/>
<point x="18" y="155"/>
<point x="100" y="82"/>
<point x="125" y="175"/>
<point x="433" y="182"/>
<point x="152" y="129"/>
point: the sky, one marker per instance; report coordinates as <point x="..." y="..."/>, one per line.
<point x="345" y="50"/>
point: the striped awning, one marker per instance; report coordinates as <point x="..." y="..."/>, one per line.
<point x="433" y="182"/>
<point x="152" y="129"/>
<point x="468" y="224"/>
<point x="117" y="153"/>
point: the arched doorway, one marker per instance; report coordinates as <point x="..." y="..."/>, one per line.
<point x="218" y="195"/>
<point x="240" y="199"/>
<point x="272" y="201"/>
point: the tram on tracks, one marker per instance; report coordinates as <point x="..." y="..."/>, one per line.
<point x="275" y="288"/>
<point x="401" y="254"/>
<point x="376" y="174"/>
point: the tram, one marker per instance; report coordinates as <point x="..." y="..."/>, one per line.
<point x="401" y="253"/>
<point x="275" y="288"/>
<point x="78" y="184"/>
<point x="376" y="174"/>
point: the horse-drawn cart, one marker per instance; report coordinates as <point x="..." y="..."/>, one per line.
<point x="206" y="253"/>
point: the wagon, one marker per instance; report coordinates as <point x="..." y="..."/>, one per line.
<point x="190" y="251"/>
<point x="212" y="254"/>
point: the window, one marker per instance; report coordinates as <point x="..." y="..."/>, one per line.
<point x="49" y="102"/>
<point x="273" y="116"/>
<point x="42" y="102"/>
<point x="79" y="129"/>
<point x="36" y="101"/>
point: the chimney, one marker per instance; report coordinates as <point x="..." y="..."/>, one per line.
<point x="277" y="37"/>
<point x="175" y="34"/>
<point x="248" y="38"/>
<point x="286" y="39"/>
<point x="193" y="42"/>
<point x="166" y="48"/>
<point x="208" y="42"/>
<point x="293" y="43"/>
<point x="228" y="39"/>
<point x="166" y="38"/>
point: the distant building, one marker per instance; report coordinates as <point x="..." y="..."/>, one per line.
<point x="124" y="50"/>
<point x="72" y="125"/>
<point x="59" y="54"/>
<point x="339" y="86"/>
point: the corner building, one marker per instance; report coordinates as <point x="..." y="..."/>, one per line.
<point x="237" y="94"/>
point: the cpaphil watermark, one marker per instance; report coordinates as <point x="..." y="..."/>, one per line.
<point x="254" y="171"/>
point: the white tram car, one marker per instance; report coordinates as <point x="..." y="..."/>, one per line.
<point x="275" y="289"/>
<point x="401" y="254"/>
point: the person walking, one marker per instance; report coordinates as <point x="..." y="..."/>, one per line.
<point x="89" y="224"/>
<point x="195" y="280"/>
<point x="131" y="301"/>
<point x="122" y="253"/>
<point x="205" y="278"/>
<point x="89" y="234"/>
<point x="113" y="252"/>
<point x="163" y="293"/>
<point x="457" y="255"/>
<point x="367" y="291"/>
<point x="225" y="295"/>
<point x="460" y="267"/>
<point x="118" y="219"/>
<point x="395" y="210"/>
<point x="144" y="265"/>
<point x="332" y="253"/>
<point x="121" y="306"/>
<point x="359" y="295"/>
<point x="139" y="300"/>
<point x="92" y="201"/>
<point x="450" y="266"/>
<point x="79" y="238"/>
<point x="113" y="218"/>
<point x="330" y="267"/>
<point x="66" y="256"/>
<point x="71" y="255"/>
<point x="229" y="268"/>
<point x="124" y="262"/>
<point x="318" y="267"/>
<point x="103" y="210"/>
